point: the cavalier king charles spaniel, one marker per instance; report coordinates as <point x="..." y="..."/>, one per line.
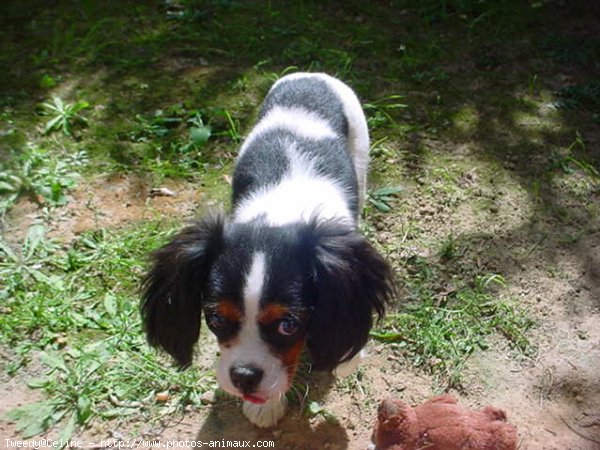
<point x="286" y="269"/>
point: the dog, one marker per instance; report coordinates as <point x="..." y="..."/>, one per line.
<point x="286" y="269"/>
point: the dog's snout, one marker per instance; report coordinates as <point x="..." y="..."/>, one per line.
<point x="246" y="377"/>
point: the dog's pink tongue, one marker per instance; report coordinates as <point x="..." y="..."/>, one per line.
<point x="254" y="399"/>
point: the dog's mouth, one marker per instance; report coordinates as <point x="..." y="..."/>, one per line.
<point x="254" y="399"/>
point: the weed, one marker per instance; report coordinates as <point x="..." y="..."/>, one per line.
<point x="47" y="82"/>
<point x="430" y="76"/>
<point x="96" y="381"/>
<point x="449" y="249"/>
<point x="64" y="115"/>
<point x="44" y="177"/>
<point x="317" y="56"/>
<point x="174" y="138"/>
<point x="378" y="148"/>
<point x="159" y="125"/>
<point x="379" y="111"/>
<point x="232" y="128"/>
<point x="150" y="127"/>
<point x="532" y="85"/>
<point x="199" y="133"/>
<point x="274" y="76"/>
<point x="568" y="161"/>
<point x="19" y="269"/>
<point x="382" y="198"/>
<point x="315" y="409"/>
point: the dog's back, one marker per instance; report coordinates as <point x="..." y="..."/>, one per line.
<point x="306" y="156"/>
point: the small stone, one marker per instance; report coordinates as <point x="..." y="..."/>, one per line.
<point x="162" y="192"/>
<point x="162" y="397"/>
<point x="426" y="211"/>
<point x="582" y="335"/>
<point x="207" y="398"/>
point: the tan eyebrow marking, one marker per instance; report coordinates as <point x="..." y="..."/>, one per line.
<point x="272" y="312"/>
<point x="229" y="310"/>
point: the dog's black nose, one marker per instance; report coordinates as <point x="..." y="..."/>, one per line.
<point x="245" y="377"/>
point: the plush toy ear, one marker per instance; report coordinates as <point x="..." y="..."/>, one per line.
<point x="175" y="287"/>
<point x="352" y="282"/>
<point x="395" y="426"/>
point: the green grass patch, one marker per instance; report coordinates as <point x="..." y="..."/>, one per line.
<point x="76" y="311"/>
<point x="438" y="329"/>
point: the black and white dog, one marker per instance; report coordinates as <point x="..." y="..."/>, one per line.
<point x="287" y="269"/>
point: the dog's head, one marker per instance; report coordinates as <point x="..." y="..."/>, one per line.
<point x="266" y="293"/>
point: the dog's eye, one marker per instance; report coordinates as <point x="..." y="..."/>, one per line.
<point x="216" y="320"/>
<point x="288" y="327"/>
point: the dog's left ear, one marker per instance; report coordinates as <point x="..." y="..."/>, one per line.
<point x="175" y="287"/>
<point x="353" y="282"/>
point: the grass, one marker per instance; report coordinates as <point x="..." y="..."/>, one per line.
<point x="439" y="330"/>
<point x="172" y="98"/>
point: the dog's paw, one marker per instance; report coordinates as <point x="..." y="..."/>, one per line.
<point x="266" y="415"/>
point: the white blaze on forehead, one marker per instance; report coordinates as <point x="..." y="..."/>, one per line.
<point x="253" y="289"/>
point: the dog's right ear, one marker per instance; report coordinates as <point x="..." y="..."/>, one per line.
<point x="174" y="289"/>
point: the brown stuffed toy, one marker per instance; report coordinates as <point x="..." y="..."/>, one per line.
<point x="442" y="424"/>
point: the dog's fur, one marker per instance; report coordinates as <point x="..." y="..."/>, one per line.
<point x="287" y="268"/>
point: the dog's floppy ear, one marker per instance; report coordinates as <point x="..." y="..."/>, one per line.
<point x="175" y="286"/>
<point x="352" y="283"/>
